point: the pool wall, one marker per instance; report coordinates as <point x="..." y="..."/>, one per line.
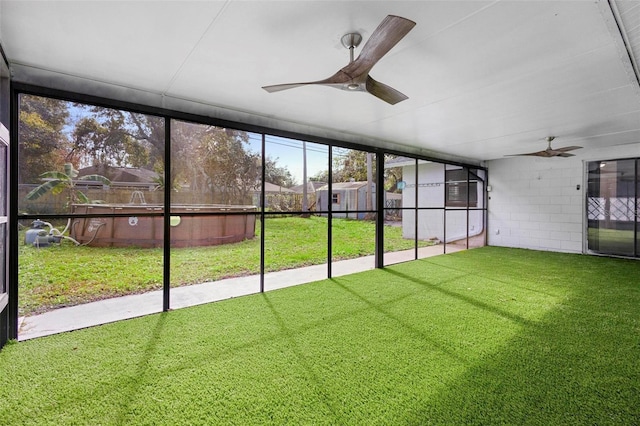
<point x="224" y="224"/>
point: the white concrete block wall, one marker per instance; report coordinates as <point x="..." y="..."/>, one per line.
<point x="534" y="202"/>
<point x="431" y="223"/>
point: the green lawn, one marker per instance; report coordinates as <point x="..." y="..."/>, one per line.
<point x="611" y="241"/>
<point x="485" y="336"/>
<point x="66" y="275"/>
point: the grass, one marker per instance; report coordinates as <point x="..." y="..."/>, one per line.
<point x="66" y="275"/>
<point x="486" y="336"/>
<point x="611" y="241"/>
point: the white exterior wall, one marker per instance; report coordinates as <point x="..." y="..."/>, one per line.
<point x="431" y="223"/>
<point x="534" y="202"/>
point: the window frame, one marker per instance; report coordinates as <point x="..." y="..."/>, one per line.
<point x="465" y="188"/>
<point x="25" y="88"/>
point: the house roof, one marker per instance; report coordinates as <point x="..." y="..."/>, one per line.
<point x="312" y="186"/>
<point x="121" y="174"/>
<point x="273" y="188"/>
<point x="345" y="186"/>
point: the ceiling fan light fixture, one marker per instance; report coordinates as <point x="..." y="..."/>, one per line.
<point x="353" y="86"/>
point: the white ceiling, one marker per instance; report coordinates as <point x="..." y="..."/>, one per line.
<point x="484" y="78"/>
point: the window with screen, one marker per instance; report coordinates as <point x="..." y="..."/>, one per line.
<point x="460" y="189"/>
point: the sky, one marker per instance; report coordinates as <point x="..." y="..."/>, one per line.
<point x="287" y="152"/>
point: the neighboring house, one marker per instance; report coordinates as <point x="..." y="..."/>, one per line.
<point x="347" y="198"/>
<point x="312" y="187"/>
<point x="276" y="197"/>
<point x="133" y="177"/>
<point x="443" y="195"/>
<point x="272" y="188"/>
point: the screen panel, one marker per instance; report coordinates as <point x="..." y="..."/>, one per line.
<point x="214" y="222"/>
<point x="72" y="154"/>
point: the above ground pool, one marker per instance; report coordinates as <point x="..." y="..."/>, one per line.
<point x="225" y="224"/>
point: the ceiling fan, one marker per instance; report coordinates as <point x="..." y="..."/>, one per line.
<point x="550" y="152"/>
<point x="355" y="76"/>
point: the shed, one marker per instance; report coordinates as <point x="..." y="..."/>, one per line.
<point x="347" y="197"/>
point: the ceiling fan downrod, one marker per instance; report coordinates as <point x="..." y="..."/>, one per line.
<point x="549" y="140"/>
<point x="351" y="41"/>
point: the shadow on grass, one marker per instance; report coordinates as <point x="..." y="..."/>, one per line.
<point x="380" y="308"/>
<point x="131" y="386"/>
<point x="82" y="371"/>
<point x="406" y="345"/>
<point x="466" y="299"/>
<point x="516" y="282"/>
<point x="290" y="336"/>
<point x="566" y="372"/>
<point x="577" y="365"/>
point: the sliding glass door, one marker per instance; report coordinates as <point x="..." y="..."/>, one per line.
<point x="612" y="207"/>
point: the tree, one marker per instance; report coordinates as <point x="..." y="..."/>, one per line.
<point x="361" y="167"/>
<point x="96" y="144"/>
<point x="209" y="159"/>
<point x="64" y="181"/>
<point x="204" y="158"/>
<point x="111" y="137"/>
<point x="186" y="167"/>
<point x="322" y="176"/>
<point x="392" y="176"/>
<point x="42" y="144"/>
<point x="232" y="171"/>
<point x="278" y="175"/>
<point x="352" y="165"/>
